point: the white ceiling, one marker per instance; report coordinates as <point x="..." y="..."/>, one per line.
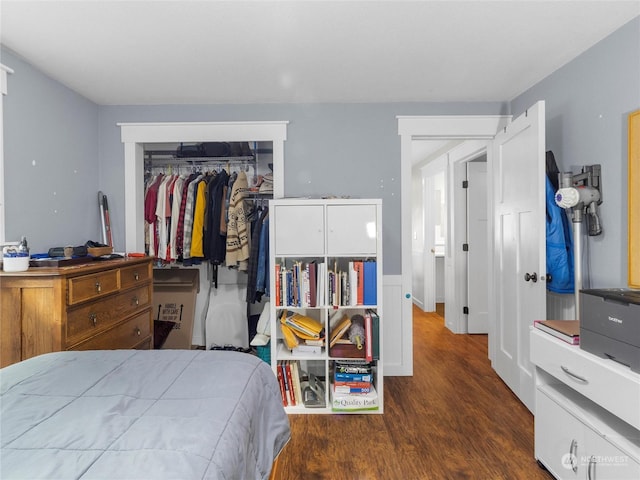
<point x="212" y="52"/>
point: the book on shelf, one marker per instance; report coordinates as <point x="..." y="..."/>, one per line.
<point x="375" y="332"/>
<point x="313" y="284"/>
<point x="292" y="392"/>
<point x="295" y="375"/>
<point x="286" y="378"/>
<point x="339" y="330"/>
<point x="368" y="336"/>
<point x="283" y="392"/>
<point x="358" y="266"/>
<point x="278" y="287"/>
<point x="567" y="330"/>
<point x="370" y="292"/>
<point x="353" y="284"/>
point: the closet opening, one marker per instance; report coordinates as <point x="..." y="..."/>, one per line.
<point x="234" y="164"/>
<point x="205" y="206"/>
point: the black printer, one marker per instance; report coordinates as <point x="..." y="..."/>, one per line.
<point x="610" y="324"/>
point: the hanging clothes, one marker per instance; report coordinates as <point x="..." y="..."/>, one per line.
<point x="254" y="266"/>
<point x="188" y="217"/>
<point x="559" y="246"/>
<point x="214" y="246"/>
<point x="238" y="241"/>
<point x="150" y="205"/>
<point x="197" y="232"/>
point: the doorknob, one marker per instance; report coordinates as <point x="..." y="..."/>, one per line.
<point x="533" y="277"/>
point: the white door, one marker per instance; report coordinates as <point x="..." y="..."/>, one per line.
<point x="517" y="291"/>
<point x="478" y="241"/>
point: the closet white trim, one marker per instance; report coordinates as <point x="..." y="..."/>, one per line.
<point x="135" y="135"/>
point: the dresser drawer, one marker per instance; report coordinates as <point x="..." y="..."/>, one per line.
<point x="135" y="275"/>
<point x="589" y="375"/>
<point x="130" y="334"/>
<point x="97" y="316"/>
<point x="87" y="287"/>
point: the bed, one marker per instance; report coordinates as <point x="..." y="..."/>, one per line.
<point x="152" y="414"/>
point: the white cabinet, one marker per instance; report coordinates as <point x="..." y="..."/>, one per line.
<point x="587" y="413"/>
<point x="360" y="238"/>
<point x="300" y="230"/>
<point x="326" y="265"/>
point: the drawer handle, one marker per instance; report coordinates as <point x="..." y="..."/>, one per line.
<point x="591" y="468"/>
<point x="574" y="375"/>
<point x="136" y="276"/>
<point x="573" y="455"/>
<point x="136" y="301"/>
<point x="98" y="287"/>
<point x="138" y="331"/>
<point x="94" y="318"/>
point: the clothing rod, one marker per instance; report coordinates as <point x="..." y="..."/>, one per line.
<point x="201" y="160"/>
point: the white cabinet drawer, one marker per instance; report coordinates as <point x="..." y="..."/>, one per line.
<point x="559" y="440"/>
<point x="612" y="386"/>
<point x="605" y="461"/>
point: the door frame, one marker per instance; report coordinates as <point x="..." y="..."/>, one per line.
<point x="456" y="271"/>
<point x="432" y="127"/>
<point x="428" y="174"/>
<point x="135" y="135"/>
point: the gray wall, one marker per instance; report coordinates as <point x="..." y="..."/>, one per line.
<point x="338" y="149"/>
<point x="587" y="103"/>
<point x="331" y="149"/>
<point x="51" y="160"/>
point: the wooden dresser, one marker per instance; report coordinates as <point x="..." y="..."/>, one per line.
<point x="100" y="305"/>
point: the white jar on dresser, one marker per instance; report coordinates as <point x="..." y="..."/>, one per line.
<point x="587" y="412"/>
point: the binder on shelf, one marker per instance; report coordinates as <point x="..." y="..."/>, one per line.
<point x="375" y="333"/>
<point x="370" y="283"/>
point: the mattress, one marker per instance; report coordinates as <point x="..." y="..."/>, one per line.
<point x="152" y="414"/>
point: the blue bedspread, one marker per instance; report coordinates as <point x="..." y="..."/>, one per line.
<point x="153" y="414"/>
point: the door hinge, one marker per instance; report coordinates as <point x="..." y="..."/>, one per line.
<point x="465" y="184"/>
<point x="465" y="247"/>
<point x="465" y="310"/>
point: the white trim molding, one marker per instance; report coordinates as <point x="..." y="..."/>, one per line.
<point x="4" y="70"/>
<point x="432" y="127"/>
<point x="134" y="135"/>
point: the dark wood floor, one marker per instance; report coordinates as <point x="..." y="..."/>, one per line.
<point x="453" y="419"/>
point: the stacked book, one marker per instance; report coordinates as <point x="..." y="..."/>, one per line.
<point x="290" y="385"/>
<point x="353" y="388"/>
<point x="297" y="388"/>
<point x="300" y="285"/>
<point x="301" y="334"/>
<point x="566" y="330"/>
<point x="311" y="284"/>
